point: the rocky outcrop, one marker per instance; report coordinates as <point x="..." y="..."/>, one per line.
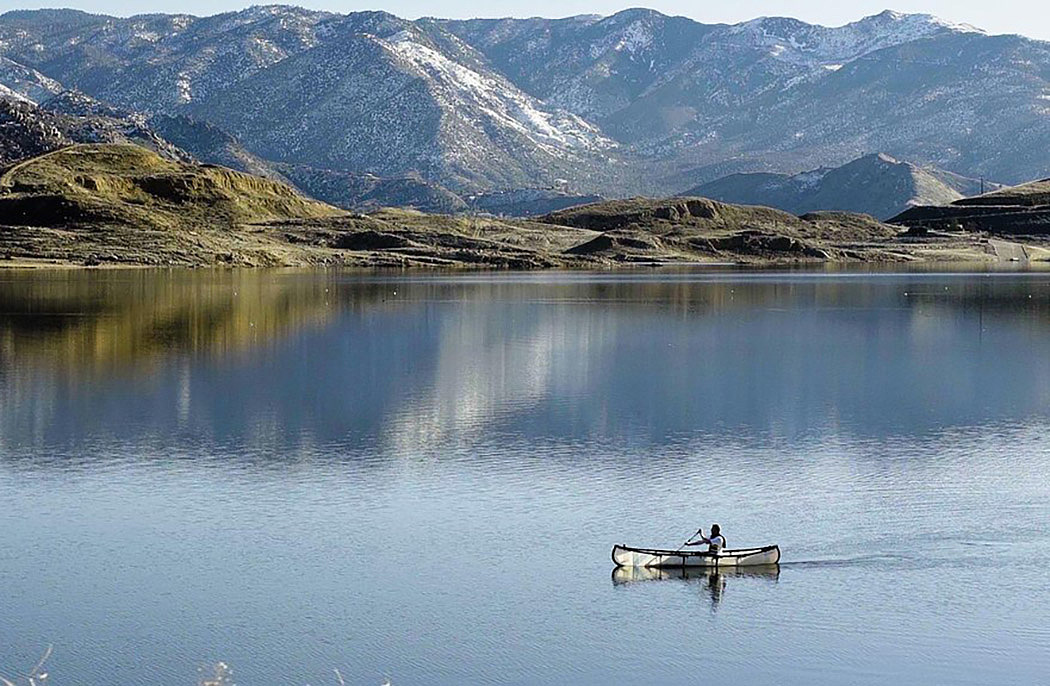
<point x="699" y="228"/>
<point x="28" y="129"/>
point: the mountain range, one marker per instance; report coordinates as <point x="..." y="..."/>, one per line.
<point x="371" y="105"/>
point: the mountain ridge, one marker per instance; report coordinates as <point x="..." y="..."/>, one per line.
<point x="875" y="184"/>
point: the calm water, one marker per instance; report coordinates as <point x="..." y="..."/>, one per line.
<point x="422" y="478"/>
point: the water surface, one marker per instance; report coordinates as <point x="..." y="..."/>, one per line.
<point x="421" y="477"/>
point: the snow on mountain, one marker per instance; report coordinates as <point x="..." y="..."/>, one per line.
<point x="404" y="99"/>
<point x="500" y="101"/>
<point x="790" y="39"/>
<point x="635" y="36"/>
<point x="633" y="102"/>
<point x="22" y="83"/>
<point x="590" y="65"/>
<point x="153" y="62"/>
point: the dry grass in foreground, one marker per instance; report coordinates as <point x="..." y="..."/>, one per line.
<point x="219" y="674"/>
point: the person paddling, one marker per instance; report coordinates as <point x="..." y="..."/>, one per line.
<point x="715" y="543"/>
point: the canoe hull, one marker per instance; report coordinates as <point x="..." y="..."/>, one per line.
<point x="625" y="556"/>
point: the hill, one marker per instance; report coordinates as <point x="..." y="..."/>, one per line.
<point x="875" y="184"/>
<point x="131" y="205"/>
<point x="1015" y="211"/>
<point x="129" y="185"/>
<point x="699" y="228"/>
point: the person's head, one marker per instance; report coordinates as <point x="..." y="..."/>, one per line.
<point x="715" y="530"/>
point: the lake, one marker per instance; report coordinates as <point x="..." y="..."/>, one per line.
<point x="420" y="477"/>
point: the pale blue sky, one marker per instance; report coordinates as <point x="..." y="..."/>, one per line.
<point x="1027" y="17"/>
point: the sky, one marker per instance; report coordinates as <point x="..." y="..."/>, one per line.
<point x="1026" y="17"/>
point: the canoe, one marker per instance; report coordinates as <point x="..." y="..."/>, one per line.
<point x="624" y="556"/>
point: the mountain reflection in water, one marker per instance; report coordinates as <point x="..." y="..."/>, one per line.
<point x="417" y="362"/>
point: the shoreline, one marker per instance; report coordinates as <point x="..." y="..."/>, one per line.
<point x="947" y="266"/>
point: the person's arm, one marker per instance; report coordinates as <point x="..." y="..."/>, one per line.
<point x="701" y="541"/>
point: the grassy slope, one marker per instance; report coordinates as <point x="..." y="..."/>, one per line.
<point x="1029" y="194"/>
<point x="124" y="204"/>
<point x="127" y="184"/>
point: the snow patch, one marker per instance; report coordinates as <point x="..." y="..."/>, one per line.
<point x="26" y="83"/>
<point x="8" y="94"/>
<point x="636" y="37"/>
<point x="496" y="99"/>
<point x="183" y="88"/>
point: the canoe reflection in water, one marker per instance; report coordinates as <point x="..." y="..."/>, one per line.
<point x="714" y="580"/>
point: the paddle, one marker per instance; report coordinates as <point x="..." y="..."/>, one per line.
<point x="699" y="532"/>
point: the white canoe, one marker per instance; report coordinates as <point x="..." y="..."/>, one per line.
<point x="624" y="556"/>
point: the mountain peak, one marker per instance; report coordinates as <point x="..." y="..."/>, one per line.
<point x="898" y="20"/>
<point x="770" y="25"/>
<point x="878" y="158"/>
<point x="632" y="14"/>
<point x="263" y="11"/>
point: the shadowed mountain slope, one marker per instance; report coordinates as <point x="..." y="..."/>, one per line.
<point x="874" y="184"/>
